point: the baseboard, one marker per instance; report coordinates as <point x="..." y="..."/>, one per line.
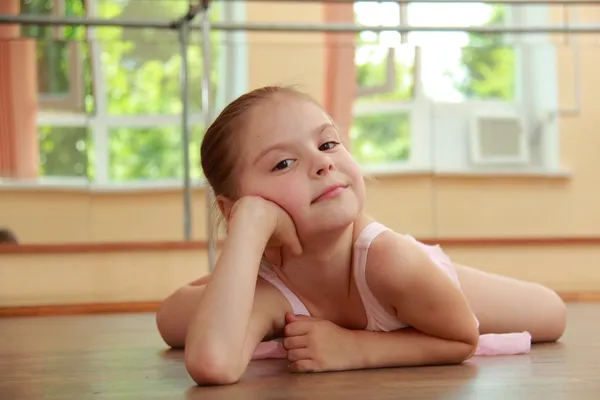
<point x="580" y="297"/>
<point x="152" y="306"/>
<point x="79" y="309"/>
<point x="73" y="248"/>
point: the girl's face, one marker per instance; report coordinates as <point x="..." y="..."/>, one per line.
<point x="293" y="155"/>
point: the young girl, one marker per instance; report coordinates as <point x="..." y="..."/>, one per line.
<point x="302" y="263"/>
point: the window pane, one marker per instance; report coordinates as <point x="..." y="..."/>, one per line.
<point x="372" y="68"/>
<point x="377" y="13"/>
<point x="36" y="7"/>
<point x="458" y="65"/>
<point x="149" y="9"/>
<point x="152" y="153"/>
<point x="54" y="77"/>
<point x="64" y="76"/>
<point x="385" y="73"/>
<point x="141" y="67"/>
<point x="62" y="58"/>
<point x="381" y="138"/>
<point x="373" y="55"/>
<point x="64" y="151"/>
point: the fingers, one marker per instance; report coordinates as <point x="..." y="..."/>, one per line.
<point x="295" y="342"/>
<point x="294" y="245"/>
<point x="291" y="317"/>
<point x="297" y="328"/>
<point x="289" y="235"/>
<point x="297" y="355"/>
<point x="273" y="255"/>
<point x="303" y="365"/>
<point x="291" y="242"/>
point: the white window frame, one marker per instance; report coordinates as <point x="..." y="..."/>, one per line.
<point x="230" y="85"/>
<point x="428" y="149"/>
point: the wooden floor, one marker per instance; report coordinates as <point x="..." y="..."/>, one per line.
<point x="122" y="357"/>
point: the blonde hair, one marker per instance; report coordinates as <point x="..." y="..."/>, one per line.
<point x="220" y="148"/>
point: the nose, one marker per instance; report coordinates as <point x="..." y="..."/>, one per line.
<point x="323" y="165"/>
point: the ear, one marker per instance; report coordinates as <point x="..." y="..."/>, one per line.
<point x="225" y="206"/>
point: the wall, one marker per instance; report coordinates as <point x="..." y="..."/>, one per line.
<point x="79" y="216"/>
<point x="91" y="277"/>
<point x="451" y="206"/>
<point x="454" y="210"/>
<point x="286" y="58"/>
<point x="102" y="276"/>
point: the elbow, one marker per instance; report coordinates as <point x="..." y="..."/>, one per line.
<point x="467" y="348"/>
<point x="167" y="328"/>
<point x="460" y="353"/>
<point x="469" y="343"/>
<point x="467" y="352"/>
<point x="210" y="370"/>
<point x="463" y="348"/>
<point x="173" y="317"/>
<point x="205" y="373"/>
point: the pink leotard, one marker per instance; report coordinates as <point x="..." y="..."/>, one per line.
<point x="378" y="319"/>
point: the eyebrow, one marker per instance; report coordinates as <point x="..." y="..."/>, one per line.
<point x="320" y="129"/>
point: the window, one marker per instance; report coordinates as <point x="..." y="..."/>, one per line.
<point x="151" y="153"/>
<point x="59" y="54"/>
<point x="420" y="93"/>
<point x="64" y="151"/>
<point x="110" y="109"/>
<point x="380" y="133"/>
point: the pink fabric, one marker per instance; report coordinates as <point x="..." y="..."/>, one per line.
<point x="268" y="273"/>
<point x="504" y="344"/>
<point x="270" y="349"/>
<point x="377" y="317"/>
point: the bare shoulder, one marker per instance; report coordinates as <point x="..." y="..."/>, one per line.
<point x="394" y="261"/>
<point x="403" y="277"/>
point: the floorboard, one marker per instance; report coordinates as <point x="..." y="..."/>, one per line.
<point x="122" y="357"/>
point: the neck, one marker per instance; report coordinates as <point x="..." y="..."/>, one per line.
<point x="326" y="260"/>
<point x="326" y="247"/>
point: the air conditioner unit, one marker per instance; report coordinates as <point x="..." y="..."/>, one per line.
<point x="498" y="138"/>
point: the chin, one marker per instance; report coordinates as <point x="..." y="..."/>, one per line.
<point x="332" y="220"/>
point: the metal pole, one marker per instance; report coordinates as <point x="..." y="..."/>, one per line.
<point x="283" y="27"/>
<point x="185" y="129"/>
<point x="70" y="21"/>
<point x="211" y="230"/>
<point x="353" y="28"/>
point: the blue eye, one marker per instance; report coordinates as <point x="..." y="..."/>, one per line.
<point x="328" y="146"/>
<point x="283" y="165"/>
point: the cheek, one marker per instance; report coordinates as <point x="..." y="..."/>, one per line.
<point x="352" y="169"/>
<point x="289" y="194"/>
<point x="285" y="191"/>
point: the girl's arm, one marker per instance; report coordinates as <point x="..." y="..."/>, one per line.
<point x="443" y="327"/>
<point x="232" y="317"/>
<point x="406" y="348"/>
<point x="200" y="281"/>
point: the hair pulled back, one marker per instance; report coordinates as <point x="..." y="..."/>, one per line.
<point x="220" y="147"/>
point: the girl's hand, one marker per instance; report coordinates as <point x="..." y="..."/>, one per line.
<point x="280" y="226"/>
<point x="317" y="345"/>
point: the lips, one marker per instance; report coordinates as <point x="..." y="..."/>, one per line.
<point x="330" y="192"/>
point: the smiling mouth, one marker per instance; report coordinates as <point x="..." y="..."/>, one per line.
<point x="330" y="193"/>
